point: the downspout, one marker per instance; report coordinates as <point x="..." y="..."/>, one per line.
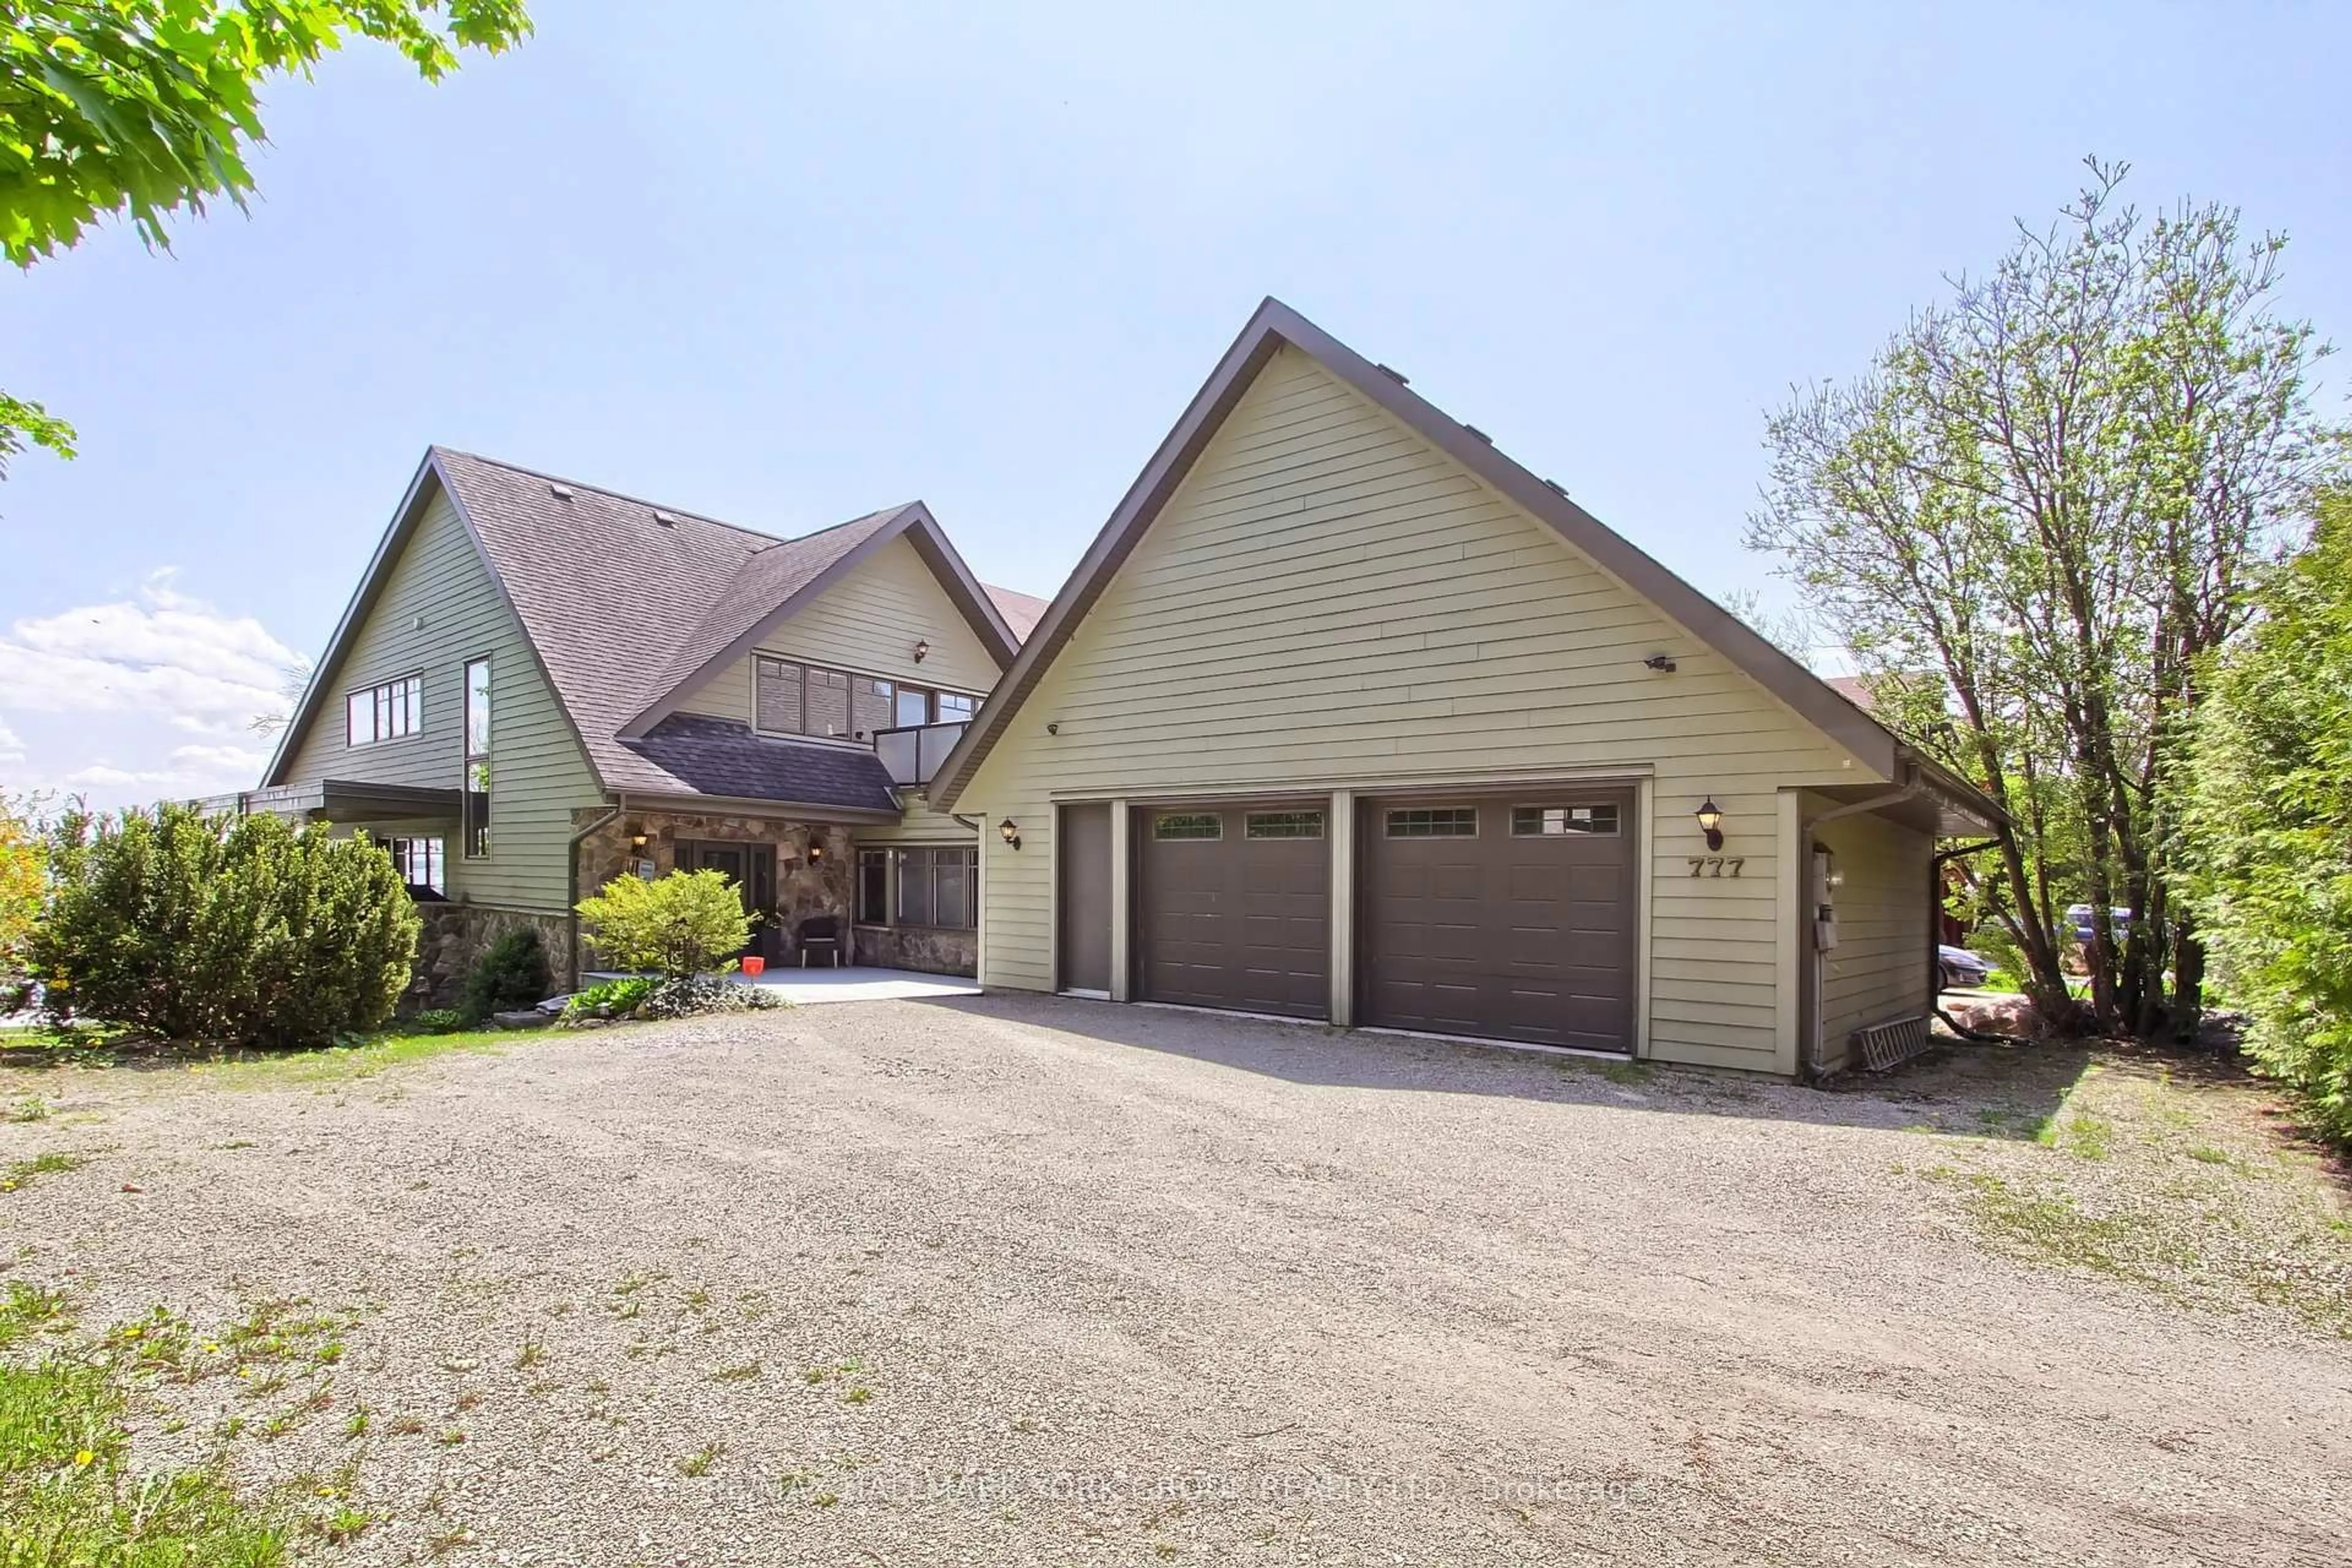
<point x="1808" y="1049"/>
<point x="572" y="885"/>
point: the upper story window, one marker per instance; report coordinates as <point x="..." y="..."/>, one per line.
<point x="789" y="698"/>
<point x="477" y="797"/>
<point x="384" y="712"/>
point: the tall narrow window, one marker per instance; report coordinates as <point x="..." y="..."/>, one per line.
<point x="477" y="835"/>
<point x="874" y="887"/>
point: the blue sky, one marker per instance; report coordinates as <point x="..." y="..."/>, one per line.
<point x="783" y="265"/>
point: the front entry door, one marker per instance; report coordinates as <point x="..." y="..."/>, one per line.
<point x="753" y="869"/>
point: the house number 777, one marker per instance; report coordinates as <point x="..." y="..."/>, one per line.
<point x="1717" y="864"/>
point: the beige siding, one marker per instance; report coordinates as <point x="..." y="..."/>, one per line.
<point x="1328" y="599"/>
<point x="439" y="607"/>
<point x="868" y="623"/>
<point x="1878" y="970"/>
<point x="918" y="825"/>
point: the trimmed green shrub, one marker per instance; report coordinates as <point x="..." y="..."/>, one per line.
<point x="437" y="1021"/>
<point x="685" y="923"/>
<point x="511" y="974"/>
<point x="201" y="928"/>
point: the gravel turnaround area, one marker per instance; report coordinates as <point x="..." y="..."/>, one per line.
<point x="1012" y="1280"/>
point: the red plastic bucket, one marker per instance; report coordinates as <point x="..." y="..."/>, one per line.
<point x="755" y="967"/>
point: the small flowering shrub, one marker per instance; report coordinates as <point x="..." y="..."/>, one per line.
<point x="686" y="923"/>
<point x="687" y="995"/>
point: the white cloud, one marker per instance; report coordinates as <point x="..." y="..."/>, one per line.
<point x="140" y="698"/>
<point x="160" y="652"/>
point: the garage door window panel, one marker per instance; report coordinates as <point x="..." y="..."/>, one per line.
<point x="1433" y="822"/>
<point x="1563" y="821"/>
<point x="1172" y="827"/>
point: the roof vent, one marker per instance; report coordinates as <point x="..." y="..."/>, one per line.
<point x="1394" y="375"/>
<point x="559" y="491"/>
<point x="667" y="519"/>
<point x="1480" y="434"/>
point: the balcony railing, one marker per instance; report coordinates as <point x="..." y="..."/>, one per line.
<point x="913" y="754"/>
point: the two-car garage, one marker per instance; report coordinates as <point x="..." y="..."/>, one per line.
<point x="1505" y="917"/>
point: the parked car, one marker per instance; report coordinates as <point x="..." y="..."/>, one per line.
<point x="2078" y="917"/>
<point x="1958" y="967"/>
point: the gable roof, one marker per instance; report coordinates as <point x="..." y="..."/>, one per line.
<point x="1021" y="611"/>
<point x="1276" y="324"/>
<point x="626" y="605"/>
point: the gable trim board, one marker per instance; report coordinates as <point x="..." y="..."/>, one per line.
<point x="1276" y="324"/>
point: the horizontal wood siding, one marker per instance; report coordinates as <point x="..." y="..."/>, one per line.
<point x="918" y="823"/>
<point x="438" y="608"/>
<point x="869" y="623"/>
<point x="1328" y="599"/>
<point x="1878" y="970"/>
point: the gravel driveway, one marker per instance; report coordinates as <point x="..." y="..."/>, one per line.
<point x="1021" y="1280"/>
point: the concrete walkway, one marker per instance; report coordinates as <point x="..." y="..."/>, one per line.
<point x="860" y="983"/>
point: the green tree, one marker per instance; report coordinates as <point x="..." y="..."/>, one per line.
<point x="149" y="107"/>
<point x="683" y="924"/>
<point x="2267" y="823"/>
<point x="2031" y="521"/>
<point x="22" y="883"/>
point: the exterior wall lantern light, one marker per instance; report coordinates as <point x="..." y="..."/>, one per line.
<point x="1009" y="831"/>
<point x="637" y="838"/>
<point x="1710" y="822"/>
<point x="922" y="650"/>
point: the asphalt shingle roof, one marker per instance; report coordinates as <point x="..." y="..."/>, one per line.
<point x="624" y="600"/>
<point x="1021" y="611"/>
<point x="721" y="757"/>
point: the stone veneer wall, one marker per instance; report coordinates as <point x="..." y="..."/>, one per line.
<point x="803" y="888"/>
<point x="455" y="935"/>
<point x="926" y="948"/>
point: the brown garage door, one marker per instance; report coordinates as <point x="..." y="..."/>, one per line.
<point x="1511" y="919"/>
<point x="1233" y="907"/>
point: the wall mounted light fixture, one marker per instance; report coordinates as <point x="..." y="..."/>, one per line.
<point x="815" y="853"/>
<point x="922" y="650"/>
<point x="637" y="838"/>
<point x="1710" y="822"/>
<point x="1009" y="831"/>
<point x="1660" y="663"/>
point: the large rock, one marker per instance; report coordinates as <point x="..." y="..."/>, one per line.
<point x="1996" y="1013"/>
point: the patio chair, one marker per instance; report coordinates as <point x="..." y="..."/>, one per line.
<point x="821" y="933"/>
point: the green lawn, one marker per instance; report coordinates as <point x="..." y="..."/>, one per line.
<point x="41" y="1046"/>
